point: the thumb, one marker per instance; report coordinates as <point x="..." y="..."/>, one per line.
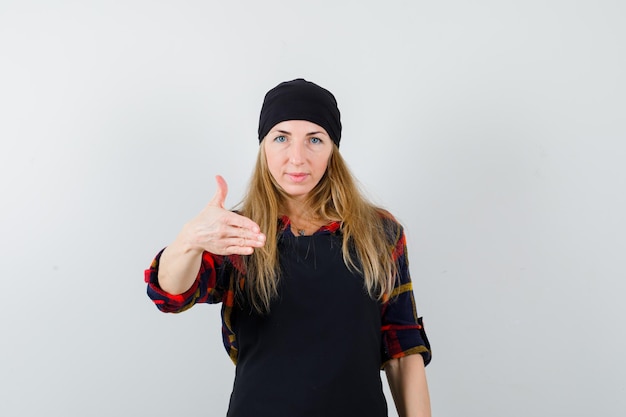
<point x="220" y="194"/>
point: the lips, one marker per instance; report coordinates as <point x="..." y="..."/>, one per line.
<point x="297" y="176"/>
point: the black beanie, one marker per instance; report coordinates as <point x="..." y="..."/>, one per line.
<point x="300" y="100"/>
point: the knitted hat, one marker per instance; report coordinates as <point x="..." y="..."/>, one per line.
<point x="300" y="100"/>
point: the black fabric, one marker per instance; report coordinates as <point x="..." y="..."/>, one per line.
<point x="317" y="353"/>
<point x="300" y="100"/>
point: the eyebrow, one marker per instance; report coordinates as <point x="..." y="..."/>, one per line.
<point x="284" y="132"/>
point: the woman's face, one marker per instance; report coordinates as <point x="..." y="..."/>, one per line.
<point x="297" y="153"/>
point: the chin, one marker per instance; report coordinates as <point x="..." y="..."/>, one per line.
<point x="296" y="192"/>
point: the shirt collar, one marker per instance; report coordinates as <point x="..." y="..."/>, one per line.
<point x="284" y="224"/>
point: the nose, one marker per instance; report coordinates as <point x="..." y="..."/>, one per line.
<point x="296" y="153"/>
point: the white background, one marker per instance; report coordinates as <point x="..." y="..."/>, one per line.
<point x="494" y="130"/>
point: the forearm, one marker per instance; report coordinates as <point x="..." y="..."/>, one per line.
<point x="179" y="266"/>
<point x="408" y="385"/>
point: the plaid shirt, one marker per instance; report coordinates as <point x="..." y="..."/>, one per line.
<point x="402" y="330"/>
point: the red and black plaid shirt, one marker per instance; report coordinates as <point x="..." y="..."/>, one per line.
<point x="402" y="330"/>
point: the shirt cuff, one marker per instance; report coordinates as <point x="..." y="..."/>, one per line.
<point x="403" y="340"/>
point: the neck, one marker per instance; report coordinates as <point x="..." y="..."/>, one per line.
<point x="297" y="210"/>
<point x="303" y="220"/>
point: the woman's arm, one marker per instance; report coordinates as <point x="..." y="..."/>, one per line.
<point x="178" y="266"/>
<point x="215" y="230"/>
<point x="407" y="382"/>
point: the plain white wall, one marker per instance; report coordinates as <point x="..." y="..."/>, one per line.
<point x="493" y="129"/>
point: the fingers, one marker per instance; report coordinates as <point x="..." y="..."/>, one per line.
<point x="243" y="246"/>
<point x="218" y="201"/>
<point x="226" y="238"/>
<point x="243" y="222"/>
<point x="243" y="237"/>
<point x="224" y="232"/>
<point x="241" y="243"/>
<point x="220" y="194"/>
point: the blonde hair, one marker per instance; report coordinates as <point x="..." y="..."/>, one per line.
<point x="369" y="233"/>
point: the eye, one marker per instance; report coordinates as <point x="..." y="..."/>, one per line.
<point x="315" y="140"/>
<point x="280" y="139"/>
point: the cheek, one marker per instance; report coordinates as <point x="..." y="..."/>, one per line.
<point x="270" y="158"/>
<point x="271" y="163"/>
<point x="323" y="163"/>
<point x="274" y="165"/>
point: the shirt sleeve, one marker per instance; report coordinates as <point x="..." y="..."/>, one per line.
<point x="210" y="285"/>
<point x="402" y="329"/>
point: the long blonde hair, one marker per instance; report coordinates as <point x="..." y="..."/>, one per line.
<point x="369" y="233"/>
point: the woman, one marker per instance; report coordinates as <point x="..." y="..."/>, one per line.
<point x="313" y="279"/>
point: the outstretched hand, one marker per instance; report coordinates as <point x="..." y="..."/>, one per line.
<point x="223" y="232"/>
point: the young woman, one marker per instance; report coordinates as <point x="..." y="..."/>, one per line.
<point x="313" y="279"/>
